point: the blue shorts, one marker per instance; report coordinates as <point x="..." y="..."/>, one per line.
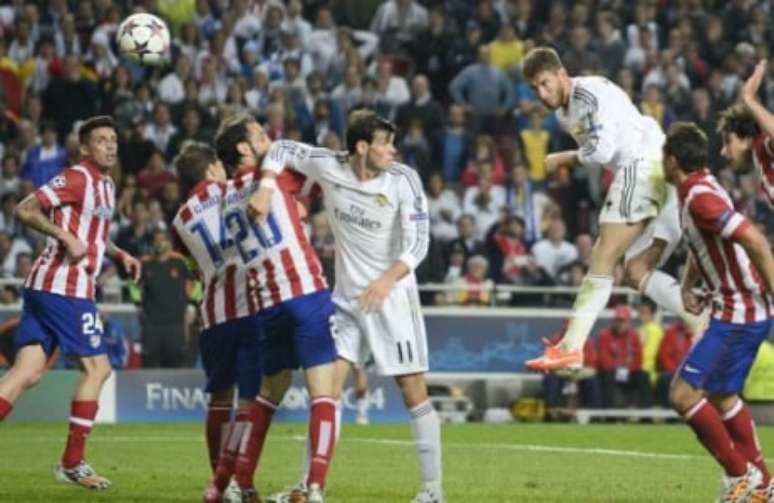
<point x="720" y="361"/>
<point x="297" y="333"/>
<point x="53" y="320"/>
<point x="231" y="354"/>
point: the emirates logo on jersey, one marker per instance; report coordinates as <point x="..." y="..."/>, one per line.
<point x="58" y="182"/>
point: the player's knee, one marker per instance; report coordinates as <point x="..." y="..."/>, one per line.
<point x="634" y="272"/>
<point x="98" y="370"/>
<point x="31" y="376"/>
<point x="683" y="396"/>
<point x="413" y="388"/>
<point x="273" y="387"/>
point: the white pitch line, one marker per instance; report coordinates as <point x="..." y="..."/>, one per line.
<point x="397" y="442"/>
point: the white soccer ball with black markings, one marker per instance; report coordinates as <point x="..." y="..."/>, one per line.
<point x="143" y="38"/>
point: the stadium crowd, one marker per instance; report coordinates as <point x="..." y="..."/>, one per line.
<point x="446" y="72"/>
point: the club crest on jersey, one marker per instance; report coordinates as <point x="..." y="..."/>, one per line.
<point x="382" y="200"/>
<point x="94" y="341"/>
<point x="58" y="182"/>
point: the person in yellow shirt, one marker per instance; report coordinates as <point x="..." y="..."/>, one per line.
<point x="535" y="141"/>
<point x="506" y="50"/>
<point x="651" y="333"/>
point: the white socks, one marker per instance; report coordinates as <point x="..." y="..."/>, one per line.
<point x="664" y="290"/>
<point x="427" y="437"/>
<point x="592" y="298"/>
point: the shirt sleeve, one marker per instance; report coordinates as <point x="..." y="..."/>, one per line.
<point x="65" y="188"/>
<point x="598" y="128"/>
<point x="414" y="220"/>
<point x="712" y="213"/>
<point x="298" y="156"/>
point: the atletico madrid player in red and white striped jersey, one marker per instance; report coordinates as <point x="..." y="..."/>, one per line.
<point x="74" y="210"/>
<point x="733" y="260"/>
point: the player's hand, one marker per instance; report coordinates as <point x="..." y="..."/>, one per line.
<point x="76" y="249"/>
<point x="132" y="266"/>
<point x="372" y="298"/>
<point x="692" y="303"/>
<point x="259" y="204"/>
<point x="749" y="89"/>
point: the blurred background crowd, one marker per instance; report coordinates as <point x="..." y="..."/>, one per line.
<point x="446" y="71"/>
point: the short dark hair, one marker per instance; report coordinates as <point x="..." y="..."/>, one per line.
<point x="192" y="163"/>
<point x="687" y="143"/>
<point x="739" y="120"/>
<point x="540" y="59"/>
<point x="363" y="124"/>
<point x="232" y="132"/>
<point x="91" y="124"/>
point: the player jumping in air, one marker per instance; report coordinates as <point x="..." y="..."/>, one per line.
<point x="74" y="210"/>
<point x="638" y="220"/>
<point x="735" y="264"/>
<point x="378" y="214"/>
<point x="748" y="132"/>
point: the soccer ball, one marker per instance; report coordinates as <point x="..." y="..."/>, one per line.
<point x="143" y="38"/>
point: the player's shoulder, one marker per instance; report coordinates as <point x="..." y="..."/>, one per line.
<point x="590" y="91"/>
<point x="402" y="174"/>
<point x="339" y="157"/>
<point x="703" y="192"/>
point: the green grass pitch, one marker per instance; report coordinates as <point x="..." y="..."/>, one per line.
<point x="510" y="463"/>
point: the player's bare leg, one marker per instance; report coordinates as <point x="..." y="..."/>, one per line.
<point x="641" y="273"/>
<point x="706" y="417"/>
<point x="361" y="395"/>
<point x="427" y="435"/>
<point x="95" y="370"/>
<point x="611" y="245"/>
<point x="27" y="369"/>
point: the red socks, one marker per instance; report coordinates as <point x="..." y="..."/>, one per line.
<point x="218" y="416"/>
<point x="235" y="442"/>
<point x="705" y="421"/>
<point x="82" y="414"/>
<point x="322" y="435"/>
<point x="260" y="414"/>
<point x="5" y="408"/>
<point x="741" y="428"/>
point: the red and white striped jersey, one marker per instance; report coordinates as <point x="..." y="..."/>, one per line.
<point x="711" y="228"/>
<point x="247" y="267"/>
<point x="80" y="200"/>
<point x="763" y="158"/>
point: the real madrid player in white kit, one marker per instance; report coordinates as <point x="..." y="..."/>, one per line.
<point x="379" y="218"/>
<point x="639" y="219"/>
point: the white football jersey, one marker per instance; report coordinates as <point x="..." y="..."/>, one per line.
<point x="375" y="222"/>
<point x="609" y="129"/>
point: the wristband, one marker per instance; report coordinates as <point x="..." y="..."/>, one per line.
<point x="268" y="183"/>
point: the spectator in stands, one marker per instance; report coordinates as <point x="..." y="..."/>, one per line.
<point x="70" y="97"/>
<point x="467" y="241"/>
<point x="619" y="363"/>
<point x="484" y="155"/>
<point x="397" y="22"/>
<point x="9" y="177"/>
<point x="453" y="145"/>
<point x="164" y="301"/>
<point x="507" y="50"/>
<point x="415" y="149"/>
<point x="463" y="52"/>
<point x="295" y="23"/>
<point x="8" y="221"/>
<point x="444" y="208"/>
<point x="172" y="87"/>
<point x="489" y="19"/>
<point x="653" y="104"/>
<point x="349" y="93"/>
<point x="671" y="353"/>
<point x="155" y="175"/>
<point x="554" y="252"/>
<point x="191" y="131"/>
<point x="422" y="108"/>
<point x="484" y="90"/>
<point x="527" y="202"/>
<point x="583" y="243"/>
<point x="476" y="289"/>
<point x="137" y="237"/>
<point x="429" y="50"/>
<point x="651" y="335"/>
<point x="535" y="141"/>
<point x="10" y="247"/>
<point x="46" y="159"/>
<point x="609" y="46"/>
<point x="160" y="130"/>
<point x="508" y="253"/>
<point x="484" y="202"/>
<point x="580" y="58"/>
<point x="393" y="89"/>
<point x="581" y="390"/>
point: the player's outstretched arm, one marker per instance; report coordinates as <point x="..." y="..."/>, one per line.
<point x="757" y="247"/>
<point x="30" y="212"/>
<point x="749" y="96"/>
<point x="691" y="276"/>
<point x="131" y="264"/>
<point x="558" y="159"/>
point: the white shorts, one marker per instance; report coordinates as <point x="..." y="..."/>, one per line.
<point x="640" y="192"/>
<point x="666" y="227"/>
<point x="395" y="335"/>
